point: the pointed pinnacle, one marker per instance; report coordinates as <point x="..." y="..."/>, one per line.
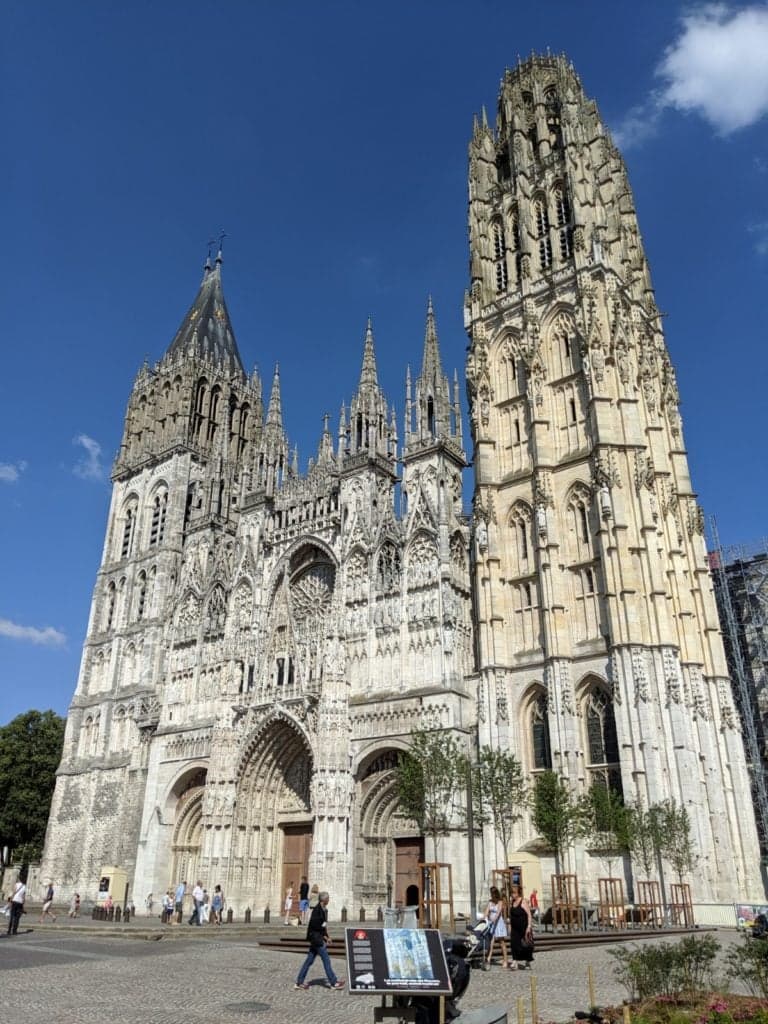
<point x="431" y="361"/>
<point x="368" y="375"/>
<point x="274" y="412"/>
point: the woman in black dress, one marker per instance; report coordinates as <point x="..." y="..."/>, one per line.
<point x="520" y="931"/>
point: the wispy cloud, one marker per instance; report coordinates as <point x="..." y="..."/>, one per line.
<point x="46" y="637"/>
<point x="759" y="231"/>
<point x="716" y="68"/>
<point x="89" y="466"/>
<point x="11" y="471"/>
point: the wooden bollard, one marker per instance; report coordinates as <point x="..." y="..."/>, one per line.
<point x="534" y="1001"/>
<point x="627" y="1015"/>
<point x="520" y="1010"/>
<point x="591" y="987"/>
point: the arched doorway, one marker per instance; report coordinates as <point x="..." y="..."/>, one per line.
<point x="273" y="821"/>
<point x="187" y="793"/>
<point x="389" y="847"/>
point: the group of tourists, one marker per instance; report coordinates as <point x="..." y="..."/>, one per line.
<point x="308" y="899"/>
<point x="206" y="908"/>
<point x="510" y="922"/>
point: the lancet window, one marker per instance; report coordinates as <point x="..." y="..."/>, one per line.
<point x="541" y="222"/>
<point x="500" y="256"/>
<point x="159" y="512"/>
<point x="602" y="747"/>
<point x="541" y="747"/>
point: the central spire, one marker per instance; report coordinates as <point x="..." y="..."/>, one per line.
<point x="206" y="331"/>
<point x="368" y="375"/>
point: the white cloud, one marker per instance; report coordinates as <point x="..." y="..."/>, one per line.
<point x="760" y="232"/>
<point x="47" y="637"/>
<point x="10" y="471"/>
<point x="89" y="466"/>
<point x="717" y="68"/>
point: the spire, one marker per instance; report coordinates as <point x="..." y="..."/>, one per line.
<point x="430" y="365"/>
<point x="275" y="412"/>
<point x="206" y="331"/>
<point x="368" y="376"/>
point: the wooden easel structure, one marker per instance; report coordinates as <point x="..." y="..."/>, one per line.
<point x="681" y="905"/>
<point x="437" y="895"/>
<point x="502" y="879"/>
<point x="612" y="908"/>
<point x="566" y="908"/>
<point x="650" y="909"/>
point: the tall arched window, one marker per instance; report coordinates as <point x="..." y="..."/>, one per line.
<point x="541" y="221"/>
<point x="541" y="748"/>
<point x="522" y="547"/>
<point x="500" y="256"/>
<point x="201" y="399"/>
<point x="129" y="527"/>
<point x="562" y="209"/>
<point x="111" y="601"/>
<point x="602" y="746"/>
<point x="514" y="247"/>
<point x="141" y="596"/>
<point x="213" y="416"/>
<point x="159" y="512"/>
<point x="579" y="527"/>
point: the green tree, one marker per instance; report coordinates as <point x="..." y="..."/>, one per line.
<point x="430" y="780"/>
<point x="644" y="836"/>
<point x="558" y="815"/>
<point x="676" y="844"/>
<point x="500" y="793"/>
<point x="608" y="823"/>
<point x="30" y="751"/>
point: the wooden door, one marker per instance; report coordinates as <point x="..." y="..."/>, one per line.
<point x="408" y="854"/>
<point x="297" y="842"/>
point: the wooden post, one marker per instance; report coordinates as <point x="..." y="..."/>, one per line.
<point x="534" y="1001"/>
<point x="591" y="986"/>
<point x="626" y="1014"/>
<point x="520" y="1010"/>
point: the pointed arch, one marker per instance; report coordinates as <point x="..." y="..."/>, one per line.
<point x="534" y="727"/>
<point x="521" y="550"/>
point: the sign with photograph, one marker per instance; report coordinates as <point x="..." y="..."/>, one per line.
<point x="381" y="960"/>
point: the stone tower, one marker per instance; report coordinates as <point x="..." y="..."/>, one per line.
<point x="599" y="648"/>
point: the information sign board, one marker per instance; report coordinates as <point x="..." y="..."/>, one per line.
<point x="383" y="960"/>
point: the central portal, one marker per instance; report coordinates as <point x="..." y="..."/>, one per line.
<point x="297" y="844"/>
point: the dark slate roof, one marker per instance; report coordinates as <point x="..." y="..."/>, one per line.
<point x="206" y="330"/>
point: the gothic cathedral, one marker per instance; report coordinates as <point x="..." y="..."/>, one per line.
<point x="261" y="642"/>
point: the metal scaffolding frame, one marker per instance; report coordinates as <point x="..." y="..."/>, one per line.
<point x="740" y="575"/>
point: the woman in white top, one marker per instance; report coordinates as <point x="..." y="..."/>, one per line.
<point x="496" y="915"/>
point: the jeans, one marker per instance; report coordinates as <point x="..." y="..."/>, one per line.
<point x="16" y="911"/>
<point x="195" y="919"/>
<point x="322" y="952"/>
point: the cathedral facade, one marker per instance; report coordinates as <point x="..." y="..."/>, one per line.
<point x="262" y="642"/>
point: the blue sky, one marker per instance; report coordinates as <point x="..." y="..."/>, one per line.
<point x="329" y="141"/>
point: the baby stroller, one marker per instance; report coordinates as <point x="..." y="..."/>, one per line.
<point x="474" y="946"/>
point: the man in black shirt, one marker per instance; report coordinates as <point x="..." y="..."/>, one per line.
<point x="317" y="937"/>
<point x="304" y="899"/>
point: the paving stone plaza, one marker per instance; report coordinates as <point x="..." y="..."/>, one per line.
<point x="68" y="975"/>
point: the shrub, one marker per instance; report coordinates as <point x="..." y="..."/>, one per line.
<point x="665" y="969"/>
<point x="748" y="963"/>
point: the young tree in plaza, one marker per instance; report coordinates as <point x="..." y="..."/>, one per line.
<point x="608" y="823"/>
<point x="430" y="782"/>
<point x="558" y="815"/>
<point x="500" y="794"/>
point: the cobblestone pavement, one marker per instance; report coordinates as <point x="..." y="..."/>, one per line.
<point x="66" y="978"/>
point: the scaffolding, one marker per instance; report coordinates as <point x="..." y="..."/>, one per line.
<point x="740" y="575"/>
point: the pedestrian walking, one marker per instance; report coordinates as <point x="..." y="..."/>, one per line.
<point x="167" y="913"/>
<point x="217" y="904"/>
<point x="198" y="895"/>
<point x="181" y="891"/>
<point x="74" y="906"/>
<point x="47" y="904"/>
<point x="304" y="900"/>
<point x="288" y="905"/>
<point x="16" y="899"/>
<point x="496" y="915"/>
<point x="317" y="937"/>
<point x="520" y="930"/>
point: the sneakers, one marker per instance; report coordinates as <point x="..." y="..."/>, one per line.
<point x="305" y="986"/>
<point x="339" y="984"/>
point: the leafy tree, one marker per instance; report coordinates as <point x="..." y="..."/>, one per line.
<point x="30" y="751"/>
<point x="500" y="793"/>
<point x="644" y="836"/>
<point x="676" y="844"/>
<point x="608" y="823"/>
<point x="559" y="816"/>
<point x="430" y="778"/>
